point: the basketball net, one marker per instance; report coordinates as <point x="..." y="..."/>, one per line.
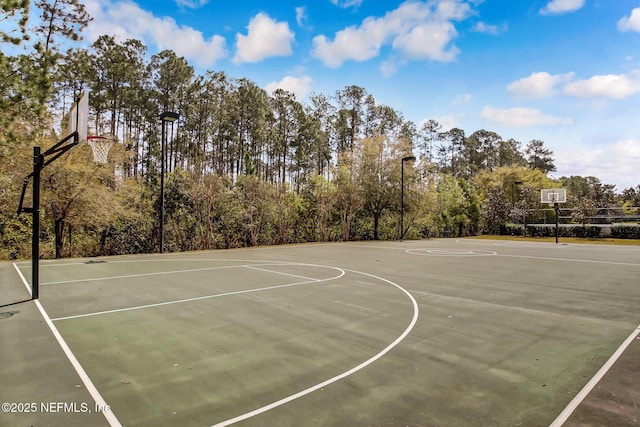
<point x="100" y="145"/>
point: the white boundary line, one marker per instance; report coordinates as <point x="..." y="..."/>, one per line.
<point x="246" y="291"/>
<point x="414" y="251"/>
<point x="296" y="395"/>
<point x="588" y="261"/>
<point x="337" y="377"/>
<point x="560" y="420"/>
<point x="91" y="388"/>
<point x="568" y="411"/>
<point x="24" y="281"/>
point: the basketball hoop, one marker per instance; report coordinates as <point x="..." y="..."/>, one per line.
<point x="100" y="145"/>
<point x="553" y="196"/>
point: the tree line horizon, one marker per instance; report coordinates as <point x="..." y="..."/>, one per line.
<point x="245" y="167"/>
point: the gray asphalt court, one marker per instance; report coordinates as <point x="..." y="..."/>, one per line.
<point x="440" y="332"/>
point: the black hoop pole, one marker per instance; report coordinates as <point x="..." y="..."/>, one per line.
<point x="557" y="209"/>
<point x="162" y="168"/>
<point x="39" y="163"/>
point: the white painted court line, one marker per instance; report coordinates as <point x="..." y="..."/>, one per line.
<point x="24" y="281"/>
<point x="568" y="411"/>
<point x="160" y="304"/>
<point x="515" y="308"/>
<point x="130" y="276"/>
<point x="515" y="244"/>
<point x="588" y="261"/>
<point x="450" y="252"/>
<point x="337" y="377"/>
<point x="549" y="245"/>
<point x="357" y="245"/>
<point x="53" y="263"/>
<point x="251" y="267"/>
<point x="91" y="388"/>
<point x="100" y="261"/>
<point x="160" y="273"/>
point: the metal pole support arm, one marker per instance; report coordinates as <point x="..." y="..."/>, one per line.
<point x="39" y="163"/>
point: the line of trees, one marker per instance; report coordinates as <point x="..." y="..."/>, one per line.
<point x="245" y="167"/>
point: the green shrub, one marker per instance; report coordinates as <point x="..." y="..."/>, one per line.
<point x="625" y="231"/>
<point x="541" y="231"/>
<point x="586" y="232"/>
<point x="512" y="230"/>
<point x="579" y="231"/>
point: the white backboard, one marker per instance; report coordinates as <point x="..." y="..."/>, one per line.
<point x="79" y="117"/>
<point x="553" y="195"/>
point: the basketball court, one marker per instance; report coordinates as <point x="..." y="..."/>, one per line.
<point x="422" y="333"/>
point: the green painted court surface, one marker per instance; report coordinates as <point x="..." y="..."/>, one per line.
<point x="419" y="333"/>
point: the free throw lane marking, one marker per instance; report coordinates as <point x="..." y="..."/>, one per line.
<point x="130" y="276"/>
<point x="246" y="291"/>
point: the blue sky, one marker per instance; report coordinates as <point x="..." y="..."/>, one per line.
<point x="563" y="71"/>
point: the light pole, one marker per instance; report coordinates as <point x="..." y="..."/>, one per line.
<point x="170" y="117"/>
<point x="404" y="159"/>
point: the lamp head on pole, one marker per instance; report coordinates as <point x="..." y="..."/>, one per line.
<point x="409" y="159"/>
<point x="169" y="116"/>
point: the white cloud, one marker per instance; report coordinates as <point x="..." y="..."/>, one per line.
<point x="191" y="4"/>
<point x="349" y="44"/>
<point x="630" y="23"/>
<point x="558" y="7"/>
<point x="614" y="86"/>
<point x="614" y="164"/>
<point x="463" y="99"/>
<point x="299" y="86"/>
<point x="301" y="15"/>
<point x="352" y="43"/>
<point x="521" y="117"/>
<point x="415" y="30"/>
<point x="544" y="85"/>
<point x="344" y="4"/>
<point x="266" y="38"/>
<point x="481" y="27"/>
<point x="451" y="9"/>
<point x="539" y="85"/>
<point x="389" y="67"/>
<point x="428" y="41"/>
<point x="125" y="20"/>
<point x="447" y="122"/>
